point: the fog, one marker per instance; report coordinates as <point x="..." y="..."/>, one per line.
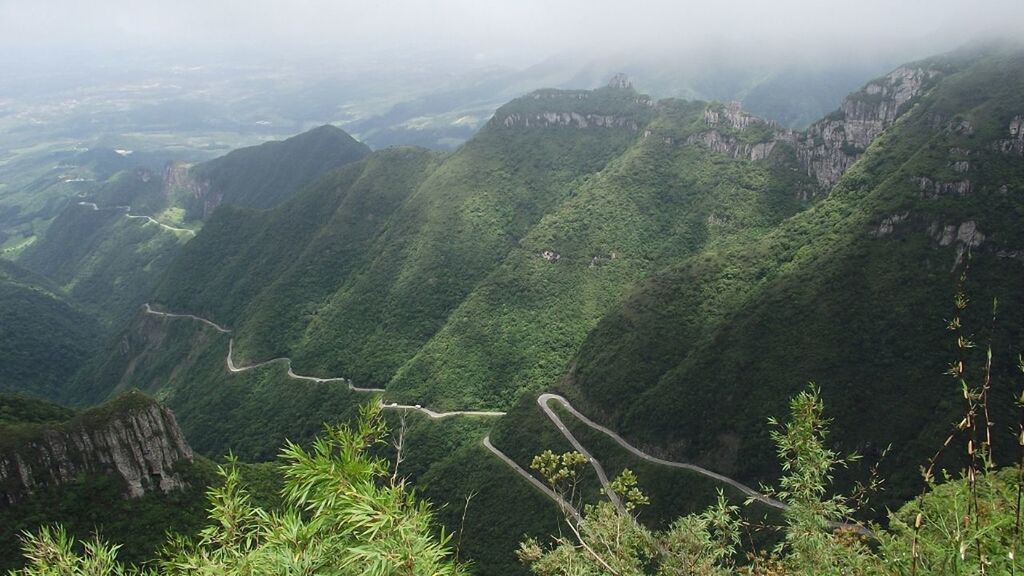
<point x="489" y="31"/>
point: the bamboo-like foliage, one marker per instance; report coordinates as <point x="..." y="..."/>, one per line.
<point x="345" y="515"/>
<point x="937" y="534"/>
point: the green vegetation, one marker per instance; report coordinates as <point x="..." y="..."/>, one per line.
<point x="110" y="263"/>
<point x="428" y="272"/>
<point x="91" y="503"/>
<point x="656" y="203"/>
<point x="969" y="525"/>
<point x="366" y="265"/>
<point x="676" y="293"/>
<point x="704" y="349"/>
<point x="44" y="339"/>
<point x="266" y="175"/>
<point x="342" y="516"/>
<point x="16" y="409"/>
<point x="106" y="262"/>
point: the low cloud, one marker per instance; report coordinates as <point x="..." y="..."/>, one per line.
<point x="498" y="30"/>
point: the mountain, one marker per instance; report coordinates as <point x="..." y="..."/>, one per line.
<point x="677" y="270"/>
<point x="374" y="293"/>
<point x="854" y="293"/>
<point x="133" y="438"/>
<point x="108" y="249"/>
<point x="45" y="338"/>
<point x="264" y="176"/>
<point x="120" y="468"/>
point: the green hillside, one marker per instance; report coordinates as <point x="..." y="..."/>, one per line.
<point x="44" y="339"/>
<point x="679" y="270"/>
<point x="854" y="294"/>
<point x="662" y="199"/>
<point x="90" y="504"/>
<point x="108" y="249"/>
<point x="36" y="185"/>
<point x="264" y="176"/>
<point x="361" y="300"/>
<point x="476" y="276"/>
<point x="103" y="260"/>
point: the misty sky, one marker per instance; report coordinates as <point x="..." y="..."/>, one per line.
<point x="495" y="29"/>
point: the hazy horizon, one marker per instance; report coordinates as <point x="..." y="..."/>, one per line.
<point x="493" y="32"/>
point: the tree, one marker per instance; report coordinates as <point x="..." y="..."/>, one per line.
<point x="344" y="515"/>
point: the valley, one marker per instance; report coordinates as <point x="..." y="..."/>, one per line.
<point x="542" y="401"/>
<point x="676" y="300"/>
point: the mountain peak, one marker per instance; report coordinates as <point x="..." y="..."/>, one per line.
<point x="621" y="82"/>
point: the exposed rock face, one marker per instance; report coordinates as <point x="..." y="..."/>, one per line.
<point x="1015" y="143"/>
<point x="722" y="121"/>
<point x="729" y="146"/>
<point x="933" y="189"/>
<point x="731" y="115"/>
<point x="832" y="145"/>
<point x="550" y="255"/>
<point x="621" y="82"/>
<point x="140" y="445"/>
<point x="889" y="224"/>
<point x="617" y="106"/>
<point x="179" y="180"/>
<point x="966" y="236"/>
<point x="569" y="119"/>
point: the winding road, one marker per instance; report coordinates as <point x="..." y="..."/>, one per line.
<point x="544" y="401"/>
<point x="567" y="508"/>
<point x="234" y="369"/>
<point x="214" y="325"/>
<point x="128" y="213"/>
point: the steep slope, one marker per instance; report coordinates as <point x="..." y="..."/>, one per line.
<point x="35" y="188"/>
<point x="264" y="176"/>
<point x="122" y="470"/>
<point x="854" y="294"/>
<point x="132" y="438"/>
<point x="107" y="250"/>
<point x="365" y="311"/>
<point x="44" y="339"/>
<point x="102" y="259"/>
<point x="700" y="173"/>
<point x="293" y="254"/>
<point x="677" y="269"/>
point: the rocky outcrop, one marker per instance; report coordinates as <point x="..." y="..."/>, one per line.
<point x="965" y="236"/>
<point x="550" y="255"/>
<point x="731" y="115"/>
<point x="1013" y="145"/>
<point x="937" y="189"/>
<point x="135" y="439"/>
<point x="888" y="224"/>
<point x="829" y="147"/>
<point x="620" y="82"/>
<point x="730" y="146"/>
<point x="568" y="119"/>
<point x="723" y="123"/>
<point x="181" y="182"/>
<point x="616" y="106"/>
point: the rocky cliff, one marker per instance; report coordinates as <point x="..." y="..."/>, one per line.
<point x="191" y="191"/>
<point x="133" y="438"/>
<point x="617" y="105"/>
<point x="735" y="133"/>
<point x="830" y="146"/>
